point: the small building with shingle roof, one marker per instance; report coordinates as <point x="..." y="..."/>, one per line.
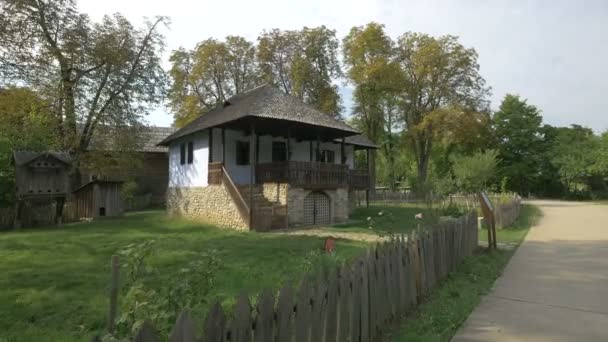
<point x="265" y="160"/>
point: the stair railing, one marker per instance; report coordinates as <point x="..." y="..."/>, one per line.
<point x="237" y="198"/>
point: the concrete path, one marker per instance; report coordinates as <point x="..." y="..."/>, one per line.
<point x="555" y="288"/>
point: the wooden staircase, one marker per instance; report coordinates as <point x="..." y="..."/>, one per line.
<point x="267" y="214"/>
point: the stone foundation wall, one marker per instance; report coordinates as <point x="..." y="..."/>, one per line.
<point x="275" y="192"/>
<point x="339" y="205"/>
<point x="211" y="204"/>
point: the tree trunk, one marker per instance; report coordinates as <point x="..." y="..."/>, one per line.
<point x="423" y="152"/>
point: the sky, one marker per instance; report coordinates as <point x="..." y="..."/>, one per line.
<point x="553" y="53"/>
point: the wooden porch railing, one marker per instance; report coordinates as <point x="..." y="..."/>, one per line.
<point x="358" y="179"/>
<point x="312" y="175"/>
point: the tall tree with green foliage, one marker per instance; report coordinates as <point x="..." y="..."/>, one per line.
<point x="209" y="75"/>
<point x="440" y="79"/>
<point x="91" y="74"/>
<point x="473" y="173"/>
<point x="517" y="127"/>
<point x="368" y="57"/>
<point x="574" y="153"/>
<point x="303" y="63"/>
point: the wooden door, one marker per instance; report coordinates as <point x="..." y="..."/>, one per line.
<point x="317" y="209"/>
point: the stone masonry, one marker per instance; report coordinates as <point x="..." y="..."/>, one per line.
<point x="211" y="204"/>
<point x="339" y="205"/>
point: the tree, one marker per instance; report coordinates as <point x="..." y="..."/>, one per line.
<point x="517" y="127"/>
<point x="440" y="77"/>
<point x="92" y="74"/>
<point x="473" y="173"/>
<point x="209" y="75"/>
<point x="24" y="125"/>
<point x="303" y="64"/>
<point x="574" y="154"/>
<point x="368" y="57"/>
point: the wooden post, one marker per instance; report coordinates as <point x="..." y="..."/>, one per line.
<point x="252" y="163"/>
<point x="369" y="176"/>
<point x="210" y="145"/>
<point x="113" y="293"/>
<point x="318" y="151"/>
<point x="288" y="157"/>
<point x="310" y="150"/>
<point x="223" y="146"/>
<point x="257" y="149"/>
<point x="60" y="201"/>
<point x="17" y="219"/>
<point x="288" y="176"/>
<point x="342" y="152"/>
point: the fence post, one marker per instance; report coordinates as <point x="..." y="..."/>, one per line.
<point x="113" y="293"/>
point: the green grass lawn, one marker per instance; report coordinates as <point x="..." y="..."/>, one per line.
<point x="55" y="281"/>
<point x="387" y="218"/>
<point x="449" y="305"/>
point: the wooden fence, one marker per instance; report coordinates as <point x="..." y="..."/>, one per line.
<point x="387" y="196"/>
<point x="356" y="302"/>
<point x="37" y="214"/>
<point x="505" y="214"/>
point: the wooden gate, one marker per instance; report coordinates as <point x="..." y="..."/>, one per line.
<point x="317" y="209"/>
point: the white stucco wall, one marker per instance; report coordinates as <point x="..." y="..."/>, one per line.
<point x="195" y="174"/>
<point x="189" y="175"/>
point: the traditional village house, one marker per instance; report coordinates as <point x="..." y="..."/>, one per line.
<point x="265" y="160"/>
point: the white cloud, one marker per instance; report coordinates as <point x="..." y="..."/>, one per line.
<point x="552" y="52"/>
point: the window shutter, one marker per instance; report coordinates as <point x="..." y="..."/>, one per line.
<point x="182" y="154"/>
<point x="190" y="152"/>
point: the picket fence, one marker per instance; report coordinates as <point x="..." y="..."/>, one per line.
<point x="356" y="302"/>
<point x="505" y="214"/>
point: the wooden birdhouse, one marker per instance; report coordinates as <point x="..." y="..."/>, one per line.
<point x="41" y="174"/>
<point x="41" y="177"/>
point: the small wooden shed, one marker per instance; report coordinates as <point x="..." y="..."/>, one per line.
<point x="99" y="198"/>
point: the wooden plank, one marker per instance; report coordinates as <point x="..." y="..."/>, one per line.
<point x="242" y="320"/>
<point x="319" y="309"/>
<point x="414" y="263"/>
<point x="215" y="324"/>
<point x="146" y="334"/>
<point x="401" y="274"/>
<point x="264" y="321"/>
<point x="303" y="309"/>
<point x="344" y="302"/>
<point x="374" y="293"/>
<point x="285" y="314"/>
<point x="357" y="297"/>
<point x="389" y="304"/>
<point x="365" y="302"/>
<point x="331" y="321"/>
<point x="184" y="329"/>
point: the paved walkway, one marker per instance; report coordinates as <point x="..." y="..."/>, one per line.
<point x="555" y="288"/>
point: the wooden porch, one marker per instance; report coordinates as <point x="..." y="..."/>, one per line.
<point x="311" y="175"/>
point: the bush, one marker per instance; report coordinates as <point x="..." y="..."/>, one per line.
<point x="141" y="301"/>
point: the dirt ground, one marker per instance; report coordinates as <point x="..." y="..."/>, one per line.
<point x="555" y="287"/>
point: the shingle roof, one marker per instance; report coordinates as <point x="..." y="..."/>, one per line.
<point x="264" y="101"/>
<point x="149" y="138"/>
<point x="359" y="140"/>
<point x="24" y="157"/>
<point x="152" y="136"/>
